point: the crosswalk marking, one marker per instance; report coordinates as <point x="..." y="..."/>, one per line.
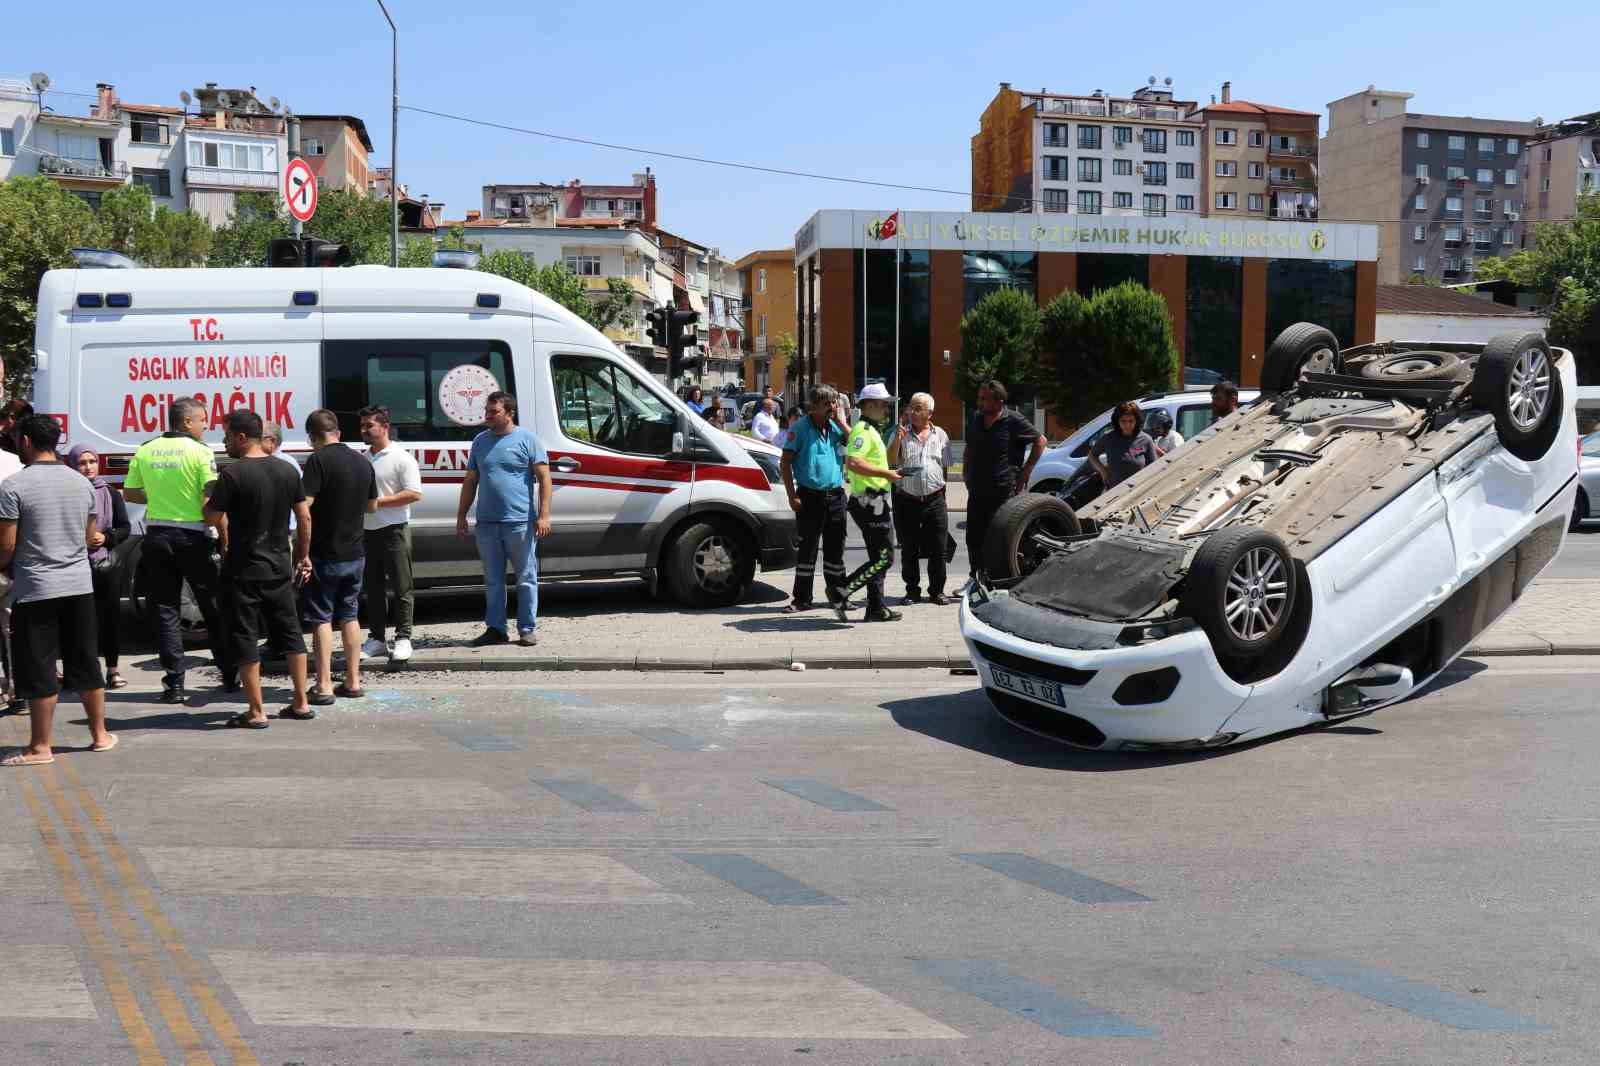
<point x="289" y="736"/>
<point x="361" y="873"/>
<point x="43" y="981"/>
<point x="385" y="794"/>
<point x="791" y="1000"/>
<point x="1446" y="1008"/>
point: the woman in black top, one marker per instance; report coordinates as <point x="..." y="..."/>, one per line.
<point x="111" y="529"/>
<point x="1127" y="449"/>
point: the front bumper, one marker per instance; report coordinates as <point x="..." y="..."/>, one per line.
<point x="1104" y="689"/>
<point x="778" y="540"/>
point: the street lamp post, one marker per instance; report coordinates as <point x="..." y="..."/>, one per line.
<point x="394" y="136"/>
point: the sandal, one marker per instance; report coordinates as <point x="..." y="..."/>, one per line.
<point x="111" y="743"/>
<point x="114" y="679"/>
<point x="797" y="608"/>
<point x="345" y="692"/>
<point x="24" y="757"/>
<point x="304" y="715"/>
<point x="242" y="720"/>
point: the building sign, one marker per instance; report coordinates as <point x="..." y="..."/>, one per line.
<point x="1131" y="234"/>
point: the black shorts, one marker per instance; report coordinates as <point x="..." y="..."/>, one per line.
<point x="43" y="631"/>
<point x="268" y="606"/>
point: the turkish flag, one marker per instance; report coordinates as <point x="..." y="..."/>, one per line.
<point x="890" y="227"/>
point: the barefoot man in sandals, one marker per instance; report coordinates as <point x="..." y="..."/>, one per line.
<point x="46" y="519"/>
<point x="249" y="507"/>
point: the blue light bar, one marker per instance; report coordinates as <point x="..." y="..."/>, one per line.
<point x="89" y="299"/>
<point x="305" y="298"/>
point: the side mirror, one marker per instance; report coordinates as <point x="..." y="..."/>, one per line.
<point x="677" y="442"/>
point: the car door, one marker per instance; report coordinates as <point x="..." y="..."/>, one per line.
<point x="611" y="461"/>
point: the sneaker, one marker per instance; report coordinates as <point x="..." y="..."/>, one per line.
<point x="939" y="599"/>
<point x="884" y="615"/>
<point x="490" y="637"/>
<point x="840" y="604"/>
<point x="912" y="596"/>
<point x="374" y="648"/>
<point x="528" y="638"/>
<point x="400" y="651"/>
<point x="174" y="694"/>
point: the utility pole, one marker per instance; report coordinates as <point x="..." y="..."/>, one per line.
<point x="295" y="225"/>
<point x="394" y="137"/>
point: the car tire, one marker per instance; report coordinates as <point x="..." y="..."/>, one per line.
<point x="710" y="565"/>
<point x="1304" y="346"/>
<point x="1006" y="550"/>
<point x="1516" y="380"/>
<point x="1415" y="366"/>
<point x="1241" y="590"/>
<point x="1580" y="509"/>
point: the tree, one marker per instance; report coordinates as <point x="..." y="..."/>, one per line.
<point x="784" y="348"/>
<point x="1563" y="268"/>
<point x="1099" y="351"/>
<point x="350" y="217"/>
<point x="40" y="224"/>
<point x="565" y="288"/>
<point x="254" y="221"/>
<point x="1000" y="340"/>
<point x="155" y="236"/>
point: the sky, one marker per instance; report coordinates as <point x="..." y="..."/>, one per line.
<point x="879" y="91"/>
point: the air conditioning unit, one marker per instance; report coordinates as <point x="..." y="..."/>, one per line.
<point x="1139" y="167"/>
<point x="1424" y="180"/>
<point x="1513" y="216"/>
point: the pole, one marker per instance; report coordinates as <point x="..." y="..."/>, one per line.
<point x="866" y="318"/>
<point x="897" y="258"/>
<point x="295" y="224"/>
<point x="394" y="137"/>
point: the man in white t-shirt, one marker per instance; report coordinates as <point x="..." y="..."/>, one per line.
<point x="388" y="538"/>
<point x="765" y="424"/>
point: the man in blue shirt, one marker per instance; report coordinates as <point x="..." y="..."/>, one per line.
<point x="813" y="475"/>
<point x="501" y="469"/>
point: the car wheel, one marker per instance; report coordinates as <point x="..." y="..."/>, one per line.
<point x="1304" y="347"/>
<point x="1516" y="381"/>
<point x="1414" y="366"/>
<point x="1241" y="590"/>
<point x="1580" y="509"/>
<point x="710" y="566"/>
<point x="1010" y="549"/>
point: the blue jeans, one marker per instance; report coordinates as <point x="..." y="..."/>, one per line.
<point x="503" y="546"/>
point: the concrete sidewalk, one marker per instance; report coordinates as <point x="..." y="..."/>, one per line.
<point x="614" y="626"/>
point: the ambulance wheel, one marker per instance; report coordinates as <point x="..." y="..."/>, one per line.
<point x="710" y="565"/>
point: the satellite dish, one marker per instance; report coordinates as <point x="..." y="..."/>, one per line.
<point x="224" y="99"/>
<point x="1169" y="83"/>
<point x="185" y="97"/>
<point x="39" y="80"/>
<point x="273" y="102"/>
<point x="1152" y="79"/>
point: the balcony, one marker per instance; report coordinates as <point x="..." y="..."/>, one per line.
<point x="59" y="166"/>
<point x="223" y="178"/>
<point x="1291" y="151"/>
<point x="1288" y="181"/>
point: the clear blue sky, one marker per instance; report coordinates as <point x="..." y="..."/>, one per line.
<point x="883" y="91"/>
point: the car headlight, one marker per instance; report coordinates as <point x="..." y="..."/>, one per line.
<point x="1148" y="632"/>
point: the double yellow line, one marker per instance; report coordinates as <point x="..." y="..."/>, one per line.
<point x="58" y="785"/>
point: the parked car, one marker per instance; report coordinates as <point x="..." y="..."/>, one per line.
<point x="1583" y="507"/>
<point x="641" y="485"/>
<point x="1060" y="466"/>
<point x="1318" y="555"/>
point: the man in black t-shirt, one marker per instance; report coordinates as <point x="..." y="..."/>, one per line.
<point x="341" y="489"/>
<point x="996" y="442"/>
<point x="249" y="506"/>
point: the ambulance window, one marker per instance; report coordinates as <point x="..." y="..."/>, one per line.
<point x="404" y="376"/>
<point x="603" y="404"/>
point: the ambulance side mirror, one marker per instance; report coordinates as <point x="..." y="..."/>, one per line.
<point x="677" y="443"/>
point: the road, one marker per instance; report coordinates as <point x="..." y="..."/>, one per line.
<point x="839" y="867"/>
<point x="1580" y="555"/>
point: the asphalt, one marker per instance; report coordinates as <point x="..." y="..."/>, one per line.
<point x="851" y="867"/>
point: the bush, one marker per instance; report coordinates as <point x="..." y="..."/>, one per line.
<point x="1096" y="352"/>
<point x="999" y="340"/>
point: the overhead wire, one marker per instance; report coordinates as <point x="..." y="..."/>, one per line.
<point x="850" y="180"/>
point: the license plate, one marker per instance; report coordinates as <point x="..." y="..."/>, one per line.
<point x="1033" y="688"/>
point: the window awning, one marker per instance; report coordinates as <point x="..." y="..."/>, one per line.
<point x="698" y="302"/>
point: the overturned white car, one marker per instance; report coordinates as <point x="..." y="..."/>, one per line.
<point x="1317" y="555"/>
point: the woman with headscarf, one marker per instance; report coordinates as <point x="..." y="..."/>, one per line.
<point x="1126" y="449"/>
<point x="111" y="529"/>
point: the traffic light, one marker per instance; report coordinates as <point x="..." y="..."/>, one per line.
<point x="658" y="326"/>
<point x="306" y="252"/>
<point x="678" y="340"/>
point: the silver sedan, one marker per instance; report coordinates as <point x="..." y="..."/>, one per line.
<point x="1588" y="480"/>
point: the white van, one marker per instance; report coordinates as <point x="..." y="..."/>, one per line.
<point x="642" y="485"/>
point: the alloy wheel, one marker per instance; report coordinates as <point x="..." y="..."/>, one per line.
<point x="715" y="564"/>
<point x="1257" y="592"/>
<point x="1528" y="389"/>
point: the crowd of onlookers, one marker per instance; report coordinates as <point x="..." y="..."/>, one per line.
<point x="267" y="548"/>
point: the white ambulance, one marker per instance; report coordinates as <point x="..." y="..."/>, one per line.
<point x="642" y="485"/>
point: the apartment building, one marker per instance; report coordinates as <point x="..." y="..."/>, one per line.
<point x="1561" y="164"/>
<point x="1093" y="154"/>
<point x="84" y="154"/>
<point x="576" y="201"/>
<point x="336" y="147"/>
<point x="1444" y="191"/>
<point x="419" y="215"/>
<point x="1260" y="159"/>
<point x="769" y="301"/>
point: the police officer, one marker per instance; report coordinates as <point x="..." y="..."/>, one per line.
<point x="867" y="460"/>
<point x="813" y="476"/>
<point x="172" y="476"/>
